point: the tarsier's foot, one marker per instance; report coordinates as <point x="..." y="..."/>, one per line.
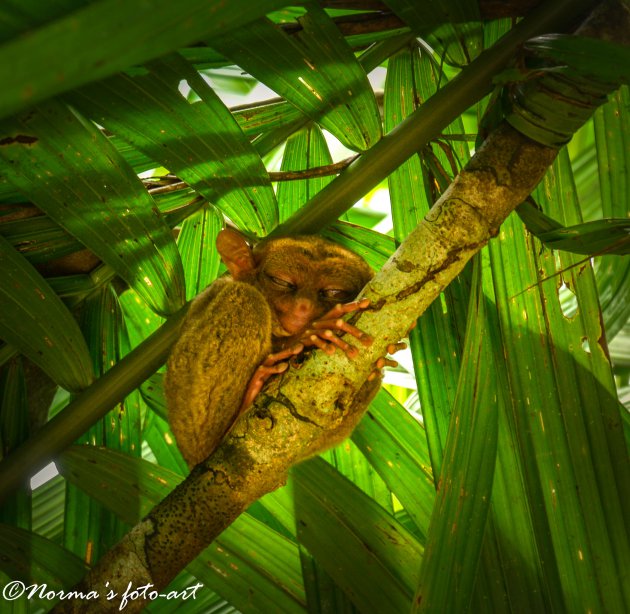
<point x="272" y="365"/>
<point x="383" y="361"/>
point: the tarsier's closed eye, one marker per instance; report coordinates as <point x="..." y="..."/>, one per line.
<point x="280" y="282"/>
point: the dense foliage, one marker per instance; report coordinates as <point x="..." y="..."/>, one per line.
<point x="129" y="137"/>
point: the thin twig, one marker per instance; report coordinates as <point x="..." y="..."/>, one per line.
<point x="317" y="171"/>
<point x="165" y="189"/>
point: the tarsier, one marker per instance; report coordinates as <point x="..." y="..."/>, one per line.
<point x="283" y="296"/>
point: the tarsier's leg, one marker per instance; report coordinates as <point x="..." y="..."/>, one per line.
<point x="224" y="338"/>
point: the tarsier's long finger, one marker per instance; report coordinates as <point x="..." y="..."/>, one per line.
<point x="343" y="308"/>
<point x="350" y="350"/>
<point x="380" y="364"/>
<point x="343" y="326"/>
<point x="255" y="386"/>
<point x="326" y="340"/>
<point x="383" y="361"/>
<point x="261" y="375"/>
<point x="321" y="341"/>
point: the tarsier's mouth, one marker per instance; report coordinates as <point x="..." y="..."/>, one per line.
<point x="288" y="327"/>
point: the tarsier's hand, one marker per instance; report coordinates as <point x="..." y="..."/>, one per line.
<point x="324" y="335"/>
<point x="324" y="332"/>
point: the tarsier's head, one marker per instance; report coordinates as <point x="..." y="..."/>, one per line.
<point x="301" y="277"/>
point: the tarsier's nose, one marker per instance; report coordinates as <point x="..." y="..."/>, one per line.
<point x="300" y="316"/>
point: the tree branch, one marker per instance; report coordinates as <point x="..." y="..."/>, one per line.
<point x="317" y="171"/>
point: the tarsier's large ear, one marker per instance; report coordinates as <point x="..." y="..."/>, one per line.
<point x="235" y="253"/>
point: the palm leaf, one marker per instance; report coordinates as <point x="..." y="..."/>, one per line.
<point x="35" y="321"/>
<point x="305" y="149"/>
<point x="612" y="127"/>
<point x="458" y="520"/>
<point x="122" y="226"/>
<point x="558" y="433"/>
<point x="359" y="558"/>
<point x="219" y="163"/>
<point x="100" y="39"/>
<point x="313" y="85"/>
<point x="395" y="446"/>
<point x="33" y="558"/>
